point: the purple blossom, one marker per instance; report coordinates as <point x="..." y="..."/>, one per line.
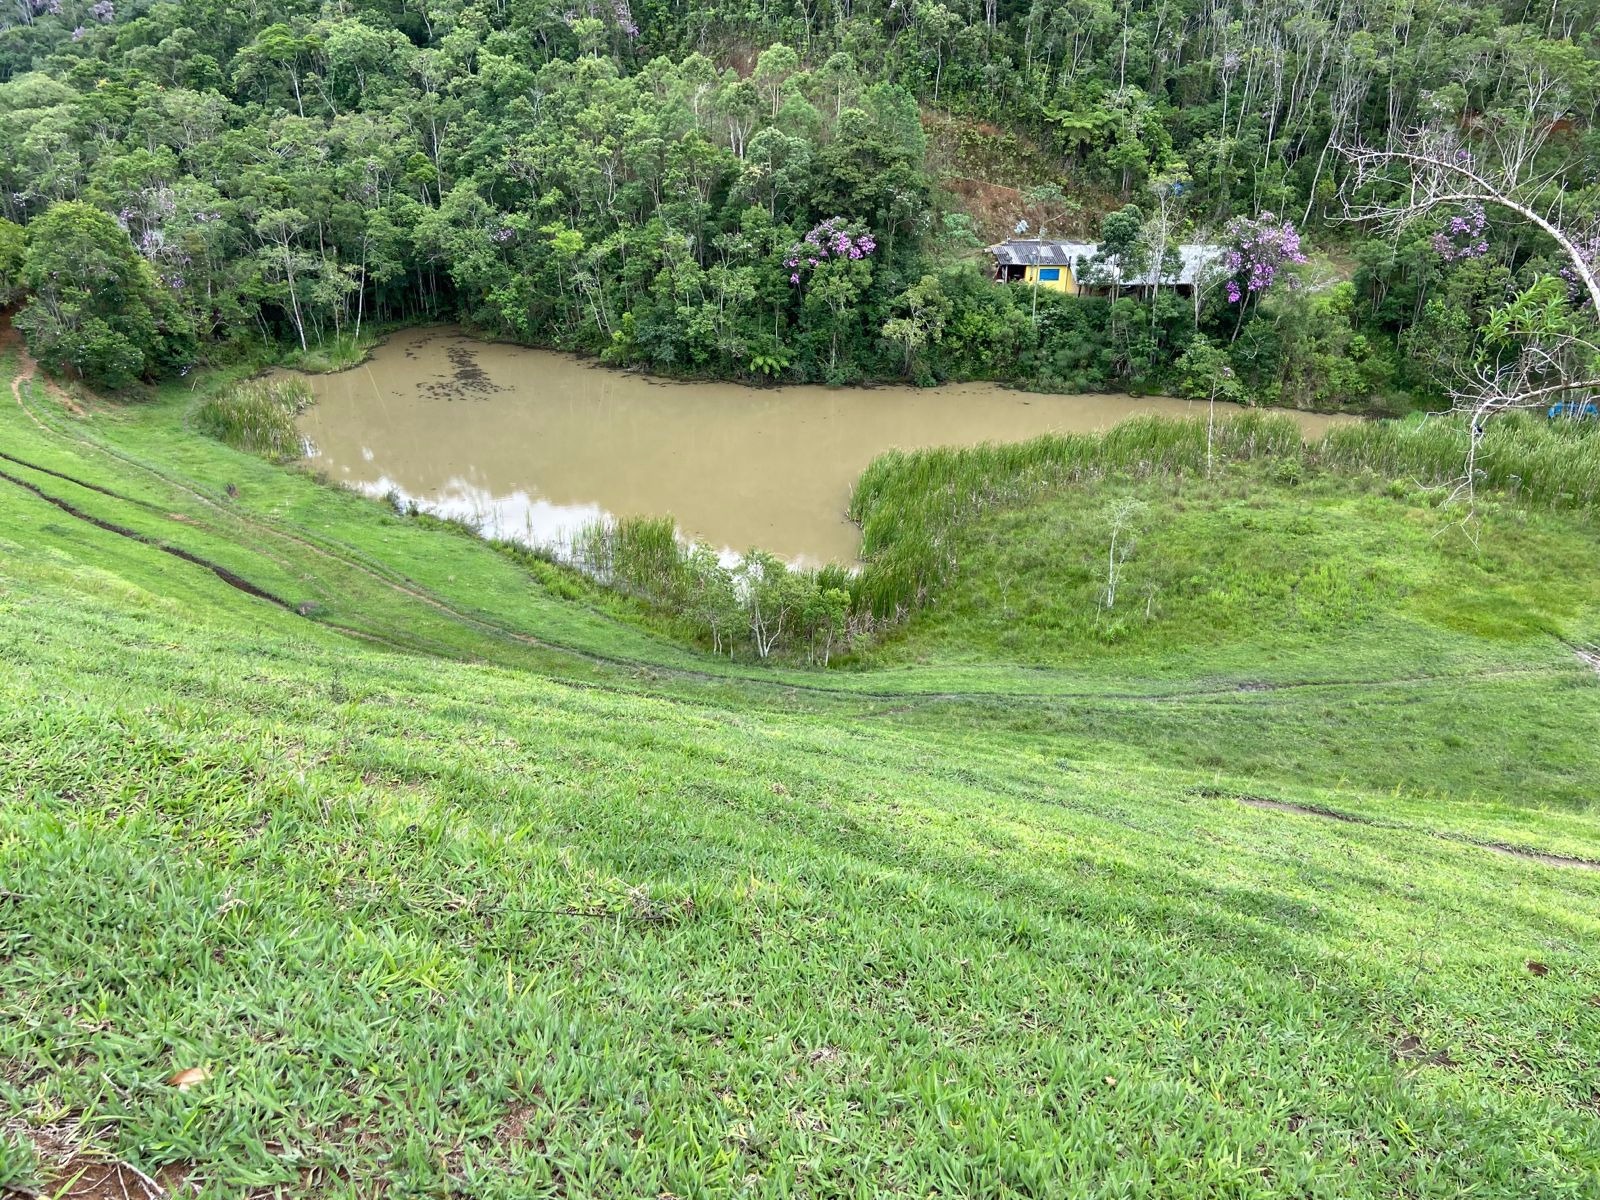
<point x="504" y="234"/>
<point x="624" y="15"/>
<point x="1589" y="252"/>
<point x="103" y="11"/>
<point x="1462" y="237"/>
<point x="832" y="239"/>
<point x="1259" y="248"/>
<point x="77" y="34"/>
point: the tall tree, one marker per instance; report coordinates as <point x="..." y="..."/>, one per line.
<point x="95" y="308"/>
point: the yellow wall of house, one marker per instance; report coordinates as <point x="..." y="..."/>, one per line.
<point x="1065" y="284"/>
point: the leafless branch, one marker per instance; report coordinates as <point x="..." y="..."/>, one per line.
<point x="1498" y="165"/>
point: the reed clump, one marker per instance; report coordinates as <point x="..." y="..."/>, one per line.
<point x="758" y="603"/>
<point x="257" y="416"/>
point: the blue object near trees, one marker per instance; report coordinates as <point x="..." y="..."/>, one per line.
<point x="1584" y="410"/>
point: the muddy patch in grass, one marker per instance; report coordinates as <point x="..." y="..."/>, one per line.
<point x="513" y="1127"/>
<point x="75" y="1169"/>
<point x="85" y="1178"/>
<point x="1252" y="801"/>
<point x="1303" y="810"/>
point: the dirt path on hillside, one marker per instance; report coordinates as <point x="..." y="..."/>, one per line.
<point x="27" y="370"/>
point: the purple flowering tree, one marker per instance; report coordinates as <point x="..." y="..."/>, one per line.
<point x="1258" y="252"/>
<point x="832" y="240"/>
<point x="832" y="265"/>
<point x="624" y="18"/>
<point x="1586" y="250"/>
<point x="1463" y="236"/>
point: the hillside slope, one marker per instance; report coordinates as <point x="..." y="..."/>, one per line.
<point x="449" y="886"/>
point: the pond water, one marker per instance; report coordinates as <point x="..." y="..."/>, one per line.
<point x="531" y="444"/>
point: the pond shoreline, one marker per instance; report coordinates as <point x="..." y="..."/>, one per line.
<point x="534" y="445"/>
<point x="761" y="384"/>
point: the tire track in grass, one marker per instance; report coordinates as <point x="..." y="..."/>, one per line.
<point x="320" y="584"/>
<point x="231" y="578"/>
<point x="1267" y="803"/>
<point x="62" y="475"/>
<point x="226" y="575"/>
<point x="27" y="373"/>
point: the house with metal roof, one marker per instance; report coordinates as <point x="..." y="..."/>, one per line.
<point x="1075" y="268"/>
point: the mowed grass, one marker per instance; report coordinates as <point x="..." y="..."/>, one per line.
<point x="460" y="929"/>
<point x="442" y="910"/>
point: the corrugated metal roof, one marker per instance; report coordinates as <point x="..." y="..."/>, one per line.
<point x="1186" y="265"/>
<point x="1035" y="253"/>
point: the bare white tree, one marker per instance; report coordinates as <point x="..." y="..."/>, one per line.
<point x="1435" y="168"/>
<point x="1123" y="516"/>
<point x="1545" y="350"/>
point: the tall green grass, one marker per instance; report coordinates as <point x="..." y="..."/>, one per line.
<point x="331" y="354"/>
<point x="910" y="504"/>
<point x="639" y="555"/>
<point x="1554" y="464"/>
<point x="257" y="416"/>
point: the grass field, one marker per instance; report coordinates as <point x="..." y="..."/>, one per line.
<point x="443" y="875"/>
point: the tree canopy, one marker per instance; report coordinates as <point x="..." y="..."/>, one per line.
<point x="627" y="180"/>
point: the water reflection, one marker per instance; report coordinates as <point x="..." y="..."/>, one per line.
<point x="515" y="516"/>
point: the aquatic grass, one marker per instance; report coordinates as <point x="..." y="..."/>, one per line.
<point x="643" y="556"/>
<point x="1553" y="464"/>
<point x="257" y="416"/>
<point x="760" y="603"/>
<point x="338" y="353"/>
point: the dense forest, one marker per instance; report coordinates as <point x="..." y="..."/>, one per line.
<point x="767" y="190"/>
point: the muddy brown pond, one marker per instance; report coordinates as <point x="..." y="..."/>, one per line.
<point x="531" y="445"/>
